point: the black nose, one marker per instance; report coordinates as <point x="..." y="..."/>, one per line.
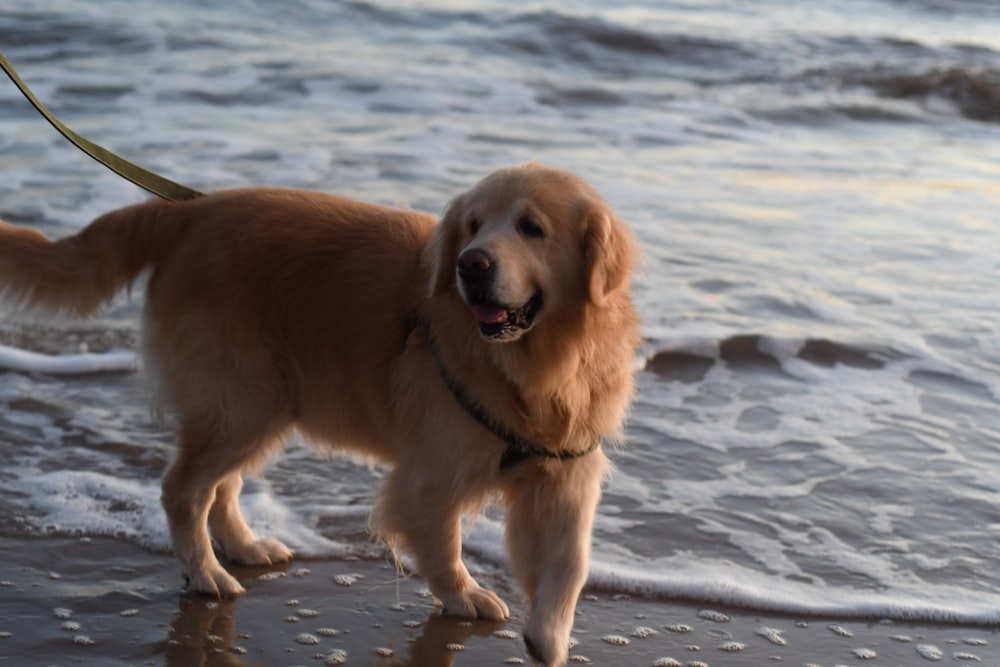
<point x="474" y="264"/>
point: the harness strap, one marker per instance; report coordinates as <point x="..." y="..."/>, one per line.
<point x="144" y="178"/>
<point x="518" y="448"/>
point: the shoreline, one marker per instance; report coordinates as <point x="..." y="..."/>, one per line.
<point x="69" y="600"/>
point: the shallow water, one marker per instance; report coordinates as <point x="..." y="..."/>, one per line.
<point x="814" y="187"/>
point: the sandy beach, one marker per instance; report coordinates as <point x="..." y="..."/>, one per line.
<point x="90" y="601"/>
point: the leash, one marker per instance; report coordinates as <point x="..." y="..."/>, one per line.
<point x="518" y="448"/>
<point x="144" y="178"/>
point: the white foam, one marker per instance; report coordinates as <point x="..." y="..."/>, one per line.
<point x="24" y="361"/>
<point x="95" y="503"/>
<point x="728" y="584"/>
<point x="268" y="515"/>
<point x="88" y="502"/>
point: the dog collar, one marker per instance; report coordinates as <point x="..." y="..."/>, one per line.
<point x="518" y="448"/>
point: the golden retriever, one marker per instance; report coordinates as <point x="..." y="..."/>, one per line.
<point x="485" y="355"/>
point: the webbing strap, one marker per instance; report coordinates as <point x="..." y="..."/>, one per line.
<point x="144" y="178"/>
<point x="518" y="448"/>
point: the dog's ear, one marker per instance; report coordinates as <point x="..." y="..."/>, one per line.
<point x="443" y="249"/>
<point x="609" y="254"/>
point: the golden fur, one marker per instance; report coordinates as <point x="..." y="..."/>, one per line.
<point x="270" y="310"/>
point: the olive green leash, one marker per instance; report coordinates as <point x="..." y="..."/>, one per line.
<point x="144" y="178"/>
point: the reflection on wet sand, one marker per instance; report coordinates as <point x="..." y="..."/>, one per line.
<point x="206" y="633"/>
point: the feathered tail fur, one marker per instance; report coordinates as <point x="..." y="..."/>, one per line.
<point x="78" y="274"/>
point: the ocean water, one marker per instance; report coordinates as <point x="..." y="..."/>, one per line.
<point x="815" y="187"/>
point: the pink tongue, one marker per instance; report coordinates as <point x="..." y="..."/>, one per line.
<point x="490" y="314"/>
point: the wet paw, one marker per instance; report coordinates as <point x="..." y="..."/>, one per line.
<point x="265" y="551"/>
<point x="476" y="602"/>
<point x="214" y="582"/>
<point x="546" y="644"/>
<point x="548" y="655"/>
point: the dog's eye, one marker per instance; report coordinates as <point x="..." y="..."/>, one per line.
<point x="474" y="226"/>
<point x="529" y="227"/>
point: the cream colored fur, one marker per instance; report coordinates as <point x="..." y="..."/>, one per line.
<point x="273" y="310"/>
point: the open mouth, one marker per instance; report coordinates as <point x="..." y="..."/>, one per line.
<point x="498" y="322"/>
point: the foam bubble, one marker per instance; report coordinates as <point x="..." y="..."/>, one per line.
<point x="929" y="652"/>
<point x="615" y="640"/>
<point x="337" y="656"/>
<point x="714" y="616"/>
<point x="964" y="656"/>
<point x="773" y="635"/>
<point x="840" y="630"/>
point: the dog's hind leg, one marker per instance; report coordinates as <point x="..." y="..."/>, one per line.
<point x="232" y="533"/>
<point x="202" y="485"/>
<point x="188" y="495"/>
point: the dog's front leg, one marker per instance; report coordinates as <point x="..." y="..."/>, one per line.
<point x="424" y="518"/>
<point x="550" y="516"/>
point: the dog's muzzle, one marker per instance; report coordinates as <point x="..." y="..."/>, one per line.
<point x="497" y="321"/>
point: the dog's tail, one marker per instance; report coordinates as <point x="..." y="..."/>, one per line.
<point x="76" y="275"/>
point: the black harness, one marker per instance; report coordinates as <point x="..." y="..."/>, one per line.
<point x="518" y="447"/>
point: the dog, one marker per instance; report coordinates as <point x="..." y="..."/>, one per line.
<point x="486" y="356"/>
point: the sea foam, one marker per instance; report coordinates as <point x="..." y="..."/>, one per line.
<point x="25" y="361"/>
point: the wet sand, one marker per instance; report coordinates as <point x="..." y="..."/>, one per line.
<point x="71" y="601"/>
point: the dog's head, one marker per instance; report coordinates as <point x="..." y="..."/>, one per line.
<point x="527" y="243"/>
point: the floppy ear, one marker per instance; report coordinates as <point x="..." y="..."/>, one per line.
<point x="443" y="250"/>
<point x="609" y="253"/>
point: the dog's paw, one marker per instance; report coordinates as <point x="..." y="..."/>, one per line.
<point x="548" y="654"/>
<point x="265" y="551"/>
<point x="214" y="582"/>
<point x="476" y="602"/>
<point x="546" y="645"/>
